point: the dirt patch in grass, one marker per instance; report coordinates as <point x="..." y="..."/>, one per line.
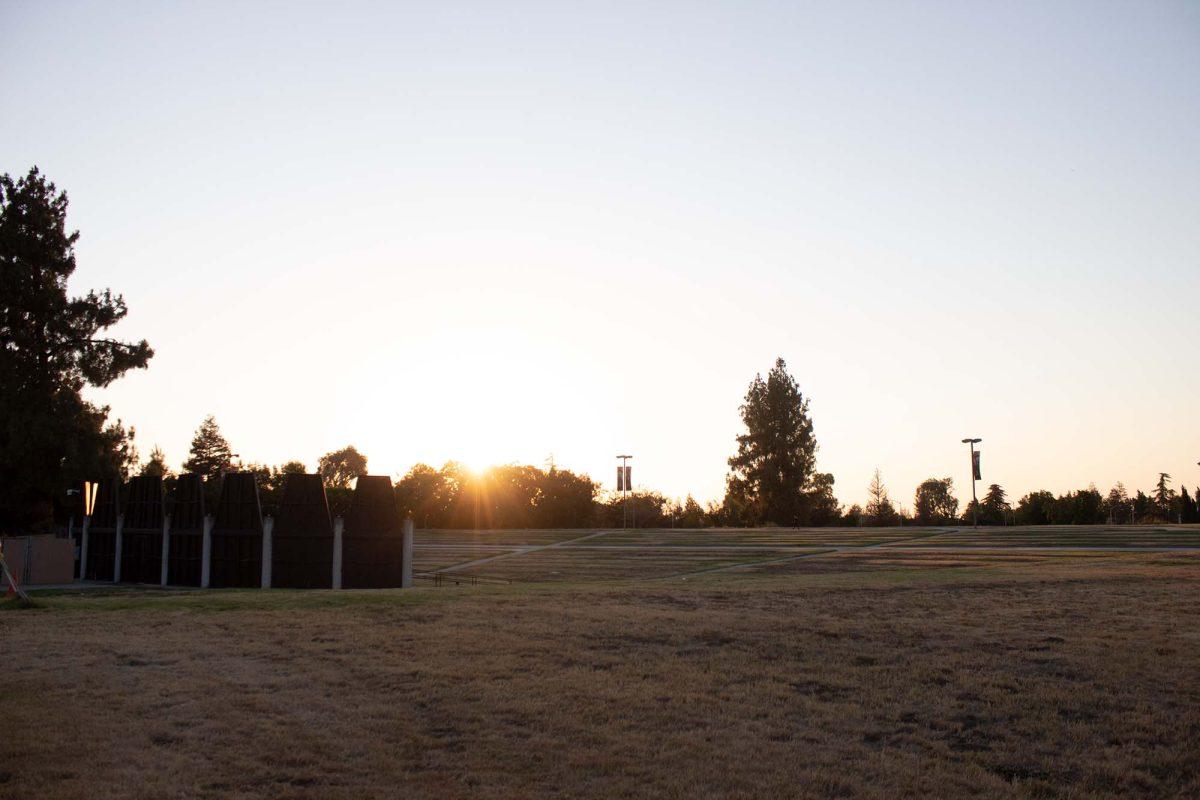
<point x="1039" y="680"/>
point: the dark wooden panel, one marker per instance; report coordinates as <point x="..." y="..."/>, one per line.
<point x="302" y="539"/>
<point x="185" y="558"/>
<point x="187" y="504"/>
<point x="237" y="534"/>
<point x="141" y="536"/>
<point x="141" y="557"/>
<point x="102" y="531"/>
<point x="144" y="504"/>
<point x="372" y="542"/>
<point x="185" y="551"/>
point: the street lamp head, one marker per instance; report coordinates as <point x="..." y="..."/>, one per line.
<point x="972" y="441"/>
<point x="624" y="456"/>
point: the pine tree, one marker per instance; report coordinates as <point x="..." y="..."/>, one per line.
<point x="210" y="453"/>
<point x="1164" y="495"/>
<point x="1187" y="506"/>
<point x="157" y="465"/>
<point x="691" y="515"/>
<point x="994" y="506"/>
<point x="880" y="510"/>
<point x="771" y="477"/>
<point x="52" y="345"/>
<point x="1117" y="504"/>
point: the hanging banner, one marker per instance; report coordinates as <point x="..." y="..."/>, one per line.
<point x="975" y="465"/>
<point x="629" y="478"/>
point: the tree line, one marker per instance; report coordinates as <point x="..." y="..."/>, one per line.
<point x="53" y="345"/>
<point x="524" y="496"/>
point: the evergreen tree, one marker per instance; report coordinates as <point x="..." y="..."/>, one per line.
<point x="157" y="465"/>
<point x="1164" y="496"/>
<point x="51" y="347"/>
<point x="1116" y="505"/>
<point x="210" y="453"/>
<point x="994" y="507"/>
<point x="1187" y="506"/>
<point x="879" y="510"/>
<point x="691" y="515"/>
<point x="1143" y="507"/>
<point x="771" y="477"/>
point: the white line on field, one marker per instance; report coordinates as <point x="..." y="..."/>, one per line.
<point x="520" y="552"/>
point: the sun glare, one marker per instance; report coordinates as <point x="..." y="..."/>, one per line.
<point x="477" y="465"/>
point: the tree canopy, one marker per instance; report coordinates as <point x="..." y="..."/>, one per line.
<point x="772" y="475"/>
<point x="879" y="510"/>
<point x="934" y="502"/>
<point x="52" y="345"/>
<point x="210" y="452"/>
<point x="341" y="467"/>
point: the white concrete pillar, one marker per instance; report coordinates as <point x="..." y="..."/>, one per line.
<point x="268" y="529"/>
<point x="406" y="551"/>
<point x="166" y="549"/>
<point x="206" y="552"/>
<point x="83" y="547"/>
<point x="339" y="525"/>
<point x="117" y="557"/>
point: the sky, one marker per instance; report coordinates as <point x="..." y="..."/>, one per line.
<point x="510" y="232"/>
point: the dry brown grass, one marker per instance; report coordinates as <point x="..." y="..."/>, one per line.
<point x="1068" y="678"/>
<point x="427" y="558"/>
<point x="760" y="537"/>
<point x="1070" y="536"/>
<point x="515" y="536"/>
<point x="599" y="563"/>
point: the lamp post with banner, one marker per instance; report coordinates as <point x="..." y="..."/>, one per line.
<point x="974" y="477"/>
<point x="625" y="487"/>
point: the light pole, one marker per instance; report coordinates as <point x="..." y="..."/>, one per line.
<point x="623" y="486"/>
<point x="974" y="477"/>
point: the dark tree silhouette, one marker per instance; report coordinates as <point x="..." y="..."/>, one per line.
<point x="934" y="502"/>
<point x="1116" y="505"/>
<point x="771" y="476"/>
<point x="994" y="508"/>
<point x="341" y="467"/>
<point x="210" y="453"/>
<point x="1164" y="496"/>
<point x="1187" y="506"/>
<point x="879" y="510"/>
<point x="156" y="467"/>
<point x="51" y="347"/>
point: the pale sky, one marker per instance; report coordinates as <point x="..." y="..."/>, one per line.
<point x="496" y="231"/>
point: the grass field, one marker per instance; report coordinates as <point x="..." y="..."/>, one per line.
<point x="1078" y="536"/>
<point x="856" y="670"/>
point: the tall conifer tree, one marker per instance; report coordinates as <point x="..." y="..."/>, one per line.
<point x="52" y="345"/>
<point x="772" y="474"/>
<point x="210" y="453"/>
